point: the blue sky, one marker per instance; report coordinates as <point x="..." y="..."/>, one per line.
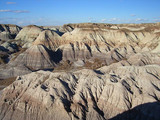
<point x="59" y="12"/>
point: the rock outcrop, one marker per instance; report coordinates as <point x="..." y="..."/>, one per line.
<point x="94" y="40"/>
<point x="90" y="42"/>
<point x="28" y="35"/>
<point x="8" y="31"/>
<point x="36" y="57"/>
<point x="9" y="47"/>
<point x="48" y="38"/>
<point x="38" y="35"/>
<point x="84" y="94"/>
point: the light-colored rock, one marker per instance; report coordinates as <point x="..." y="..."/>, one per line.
<point x="49" y="39"/>
<point x="141" y="59"/>
<point x="79" y="63"/>
<point x="84" y="94"/>
<point x="8" y="31"/>
<point x="12" y="29"/>
<point x="28" y="34"/>
<point x="126" y="85"/>
<point x="36" y="57"/>
<point x="5" y="35"/>
<point x="89" y="40"/>
<point x="13" y="71"/>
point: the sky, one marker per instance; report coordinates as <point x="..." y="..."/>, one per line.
<point x="59" y="12"/>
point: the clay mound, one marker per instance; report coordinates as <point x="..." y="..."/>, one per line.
<point x="8" y="31"/>
<point x="12" y="29"/>
<point x="84" y="94"/>
<point x="36" y="57"/>
<point x="28" y="34"/>
<point x="48" y="38"/>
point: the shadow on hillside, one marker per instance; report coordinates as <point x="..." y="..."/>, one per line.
<point x="147" y="111"/>
<point x="56" y="56"/>
<point x="58" y="32"/>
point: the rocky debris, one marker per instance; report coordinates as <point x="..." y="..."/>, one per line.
<point x="84" y="94"/>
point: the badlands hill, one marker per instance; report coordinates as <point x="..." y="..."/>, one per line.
<point x="8" y="31"/>
<point x="84" y="71"/>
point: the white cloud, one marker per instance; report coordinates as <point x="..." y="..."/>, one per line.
<point x="4" y="10"/>
<point x="10" y="3"/>
<point x="23" y="21"/>
<point x="15" y="11"/>
<point x="103" y="20"/>
<point x="20" y="11"/>
<point x="114" y="20"/>
<point x="92" y="20"/>
<point x="8" y="18"/>
<point x="140" y="19"/>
